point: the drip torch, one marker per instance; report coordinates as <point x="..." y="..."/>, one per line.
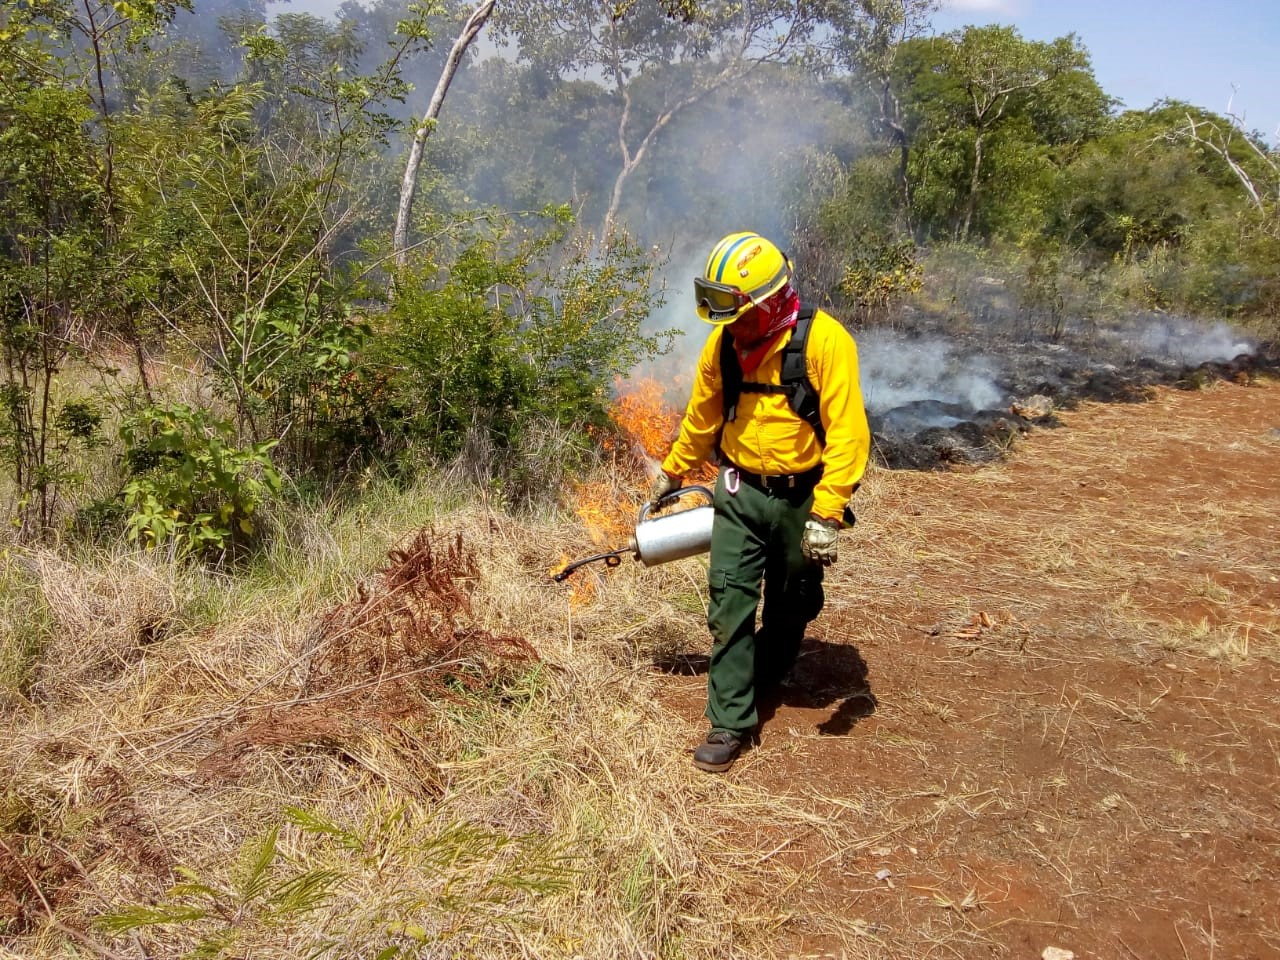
<point x="660" y="539"/>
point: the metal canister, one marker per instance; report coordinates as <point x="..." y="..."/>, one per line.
<point x="673" y="535"/>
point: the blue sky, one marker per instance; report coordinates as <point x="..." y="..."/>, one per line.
<point x="1143" y="50"/>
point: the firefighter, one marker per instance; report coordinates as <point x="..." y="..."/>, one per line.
<point x="792" y="441"/>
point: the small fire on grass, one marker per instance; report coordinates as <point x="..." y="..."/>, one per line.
<point x="581" y="589"/>
<point x="646" y="424"/>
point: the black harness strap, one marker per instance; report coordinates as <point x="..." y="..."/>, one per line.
<point x="795" y="383"/>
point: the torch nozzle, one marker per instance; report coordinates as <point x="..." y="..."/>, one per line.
<point x="611" y="559"/>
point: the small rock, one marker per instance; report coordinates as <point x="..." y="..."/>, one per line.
<point x="883" y="874"/>
<point x="1057" y="953"/>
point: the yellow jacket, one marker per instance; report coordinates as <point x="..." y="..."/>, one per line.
<point x="766" y="436"/>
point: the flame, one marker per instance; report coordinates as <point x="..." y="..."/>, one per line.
<point x="608" y="513"/>
<point x="646" y="425"/>
<point x="581" y="588"/>
<point x="646" y="420"/>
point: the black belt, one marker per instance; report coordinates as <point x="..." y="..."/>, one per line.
<point x="780" y="482"/>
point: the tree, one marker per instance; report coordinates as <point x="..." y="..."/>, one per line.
<point x="660" y="60"/>
<point x="972" y="94"/>
<point x="61" y="206"/>
<point x="995" y="66"/>
<point x="870" y="49"/>
<point x="409" y="184"/>
<point x="1246" y="155"/>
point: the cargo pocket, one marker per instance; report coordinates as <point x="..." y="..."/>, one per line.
<point x="731" y="611"/>
<point x="717" y="581"/>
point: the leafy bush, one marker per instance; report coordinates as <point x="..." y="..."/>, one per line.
<point x="516" y="333"/>
<point x="190" y="483"/>
<point x="857" y="251"/>
<point x="880" y="276"/>
<point x="289" y="375"/>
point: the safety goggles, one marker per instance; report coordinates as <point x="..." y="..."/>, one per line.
<point x="721" y="301"/>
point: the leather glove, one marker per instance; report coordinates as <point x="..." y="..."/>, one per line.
<point x="663" y="484"/>
<point x="820" y="541"/>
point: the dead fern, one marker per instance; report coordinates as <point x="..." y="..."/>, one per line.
<point x="409" y="635"/>
<point x="406" y="642"/>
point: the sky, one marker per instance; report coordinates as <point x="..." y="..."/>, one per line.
<point x="1142" y="50"/>
<point x="1145" y="50"/>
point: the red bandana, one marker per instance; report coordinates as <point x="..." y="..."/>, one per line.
<point x="757" y="330"/>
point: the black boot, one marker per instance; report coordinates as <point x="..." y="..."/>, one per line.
<point x="717" y="753"/>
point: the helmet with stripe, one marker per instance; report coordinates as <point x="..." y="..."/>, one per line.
<point x="743" y="269"/>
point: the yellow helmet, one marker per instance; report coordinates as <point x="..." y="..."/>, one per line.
<point x="743" y="269"/>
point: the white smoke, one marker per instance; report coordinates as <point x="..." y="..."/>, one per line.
<point x="712" y="173"/>
<point x="1187" y="342"/>
<point x="897" y="370"/>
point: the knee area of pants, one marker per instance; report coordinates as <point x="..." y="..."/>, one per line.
<point x="731" y="603"/>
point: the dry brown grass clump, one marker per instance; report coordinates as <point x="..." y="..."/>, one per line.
<point x="454" y="761"/>
<point x="404" y="644"/>
<point x="105" y="616"/>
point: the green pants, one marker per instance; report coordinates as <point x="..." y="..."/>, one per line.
<point x="756" y="539"/>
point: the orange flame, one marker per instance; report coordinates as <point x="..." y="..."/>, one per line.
<point x="647" y="424"/>
<point x="582" y="588"/>
<point x="645" y="418"/>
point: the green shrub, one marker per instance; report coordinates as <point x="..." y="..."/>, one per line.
<point x="881" y="276"/>
<point x="190" y="484"/>
<point x="513" y="339"/>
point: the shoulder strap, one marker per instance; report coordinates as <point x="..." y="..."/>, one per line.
<point x="795" y="375"/>
<point x="730" y="376"/>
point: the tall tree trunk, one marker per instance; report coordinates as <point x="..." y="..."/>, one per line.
<point x="972" y="203"/>
<point x="891" y="116"/>
<point x="409" y="185"/>
<point x="630" y="159"/>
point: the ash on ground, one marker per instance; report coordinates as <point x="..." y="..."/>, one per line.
<point x="959" y="387"/>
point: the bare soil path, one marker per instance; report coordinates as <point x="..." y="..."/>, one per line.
<point x="1043" y="704"/>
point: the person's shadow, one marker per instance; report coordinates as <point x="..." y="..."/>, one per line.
<point x="824" y="674"/>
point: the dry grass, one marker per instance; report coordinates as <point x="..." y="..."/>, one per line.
<point x="546" y="810"/>
<point x="1061" y="675"/>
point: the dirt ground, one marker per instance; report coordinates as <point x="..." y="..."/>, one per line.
<point x="1043" y="703"/>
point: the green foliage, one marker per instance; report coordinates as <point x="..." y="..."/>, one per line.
<point x="864" y="260"/>
<point x="988" y="115"/>
<point x="882" y="276"/>
<point x="522" y="329"/>
<point x="52" y="207"/>
<point x="260" y="892"/>
<point x="289" y="370"/>
<point x="190" y="484"/>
